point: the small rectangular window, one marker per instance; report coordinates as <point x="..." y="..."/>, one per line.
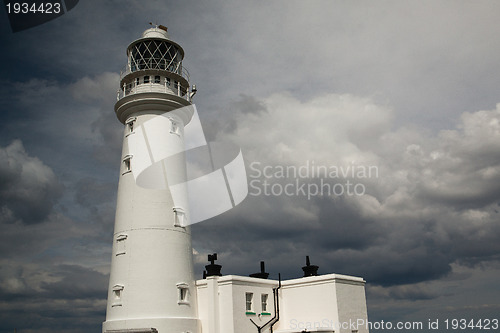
<point x="174" y="127"/>
<point x="130" y="125"/>
<point x="179" y="217"/>
<point x="127" y="165"/>
<point x="120" y="244"/>
<point x="248" y="300"/>
<point x="117" y="295"/>
<point x="183" y="291"/>
<point x="146" y="79"/>
<point x="157" y="79"/>
<point x="137" y="81"/>
<point x="168" y="81"/>
<point x="263" y="298"/>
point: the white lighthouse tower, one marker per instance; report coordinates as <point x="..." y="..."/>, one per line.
<point x="152" y="287"/>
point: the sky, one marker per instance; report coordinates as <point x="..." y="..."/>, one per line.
<point x="399" y="99"/>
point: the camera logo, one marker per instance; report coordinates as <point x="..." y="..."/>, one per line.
<point x="204" y="179"/>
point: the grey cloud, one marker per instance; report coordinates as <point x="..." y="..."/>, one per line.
<point x="403" y="292"/>
<point x="422" y="64"/>
<point x="99" y="92"/>
<point x="404" y="230"/>
<point x="29" y="189"/>
<point x="90" y="192"/>
<point x="75" y="282"/>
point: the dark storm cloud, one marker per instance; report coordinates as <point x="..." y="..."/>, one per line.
<point x="90" y="192"/>
<point x="28" y="188"/>
<point x="60" y="298"/>
<point x="75" y="282"/>
<point x="407" y="228"/>
<point x="431" y="213"/>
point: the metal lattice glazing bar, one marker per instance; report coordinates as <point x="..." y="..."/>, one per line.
<point x="154" y="54"/>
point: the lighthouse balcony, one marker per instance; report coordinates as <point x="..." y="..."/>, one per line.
<point x="158" y="81"/>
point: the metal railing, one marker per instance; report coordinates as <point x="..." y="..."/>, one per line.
<point x="173" y="89"/>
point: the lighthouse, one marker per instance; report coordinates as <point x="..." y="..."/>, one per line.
<point x="151" y="286"/>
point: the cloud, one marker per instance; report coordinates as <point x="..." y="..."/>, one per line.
<point x="432" y="202"/>
<point x="28" y="188"/>
<point x="41" y="298"/>
<point x="76" y="282"/>
<point x="98" y="93"/>
<point x="402" y="72"/>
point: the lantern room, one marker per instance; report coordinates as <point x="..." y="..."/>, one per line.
<point x="154" y="64"/>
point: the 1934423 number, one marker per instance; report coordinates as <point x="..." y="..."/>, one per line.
<point x="25" y="8"/>
<point x="462" y="324"/>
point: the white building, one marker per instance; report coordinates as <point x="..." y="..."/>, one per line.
<point x="152" y="286"/>
<point x="313" y="303"/>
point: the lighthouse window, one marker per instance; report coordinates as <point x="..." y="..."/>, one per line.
<point x="183" y="292"/>
<point x="168" y="81"/>
<point x="130" y="124"/>
<point x="174" y="127"/>
<point x="176" y="84"/>
<point x="179" y="217"/>
<point x="248" y="305"/>
<point x="146" y="79"/>
<point x="137" y="81"/>
<point x="117" y="295"/>
<point x="157" y="79"/>
<point x="127" y="164"/>
<point x="120" y="244"/>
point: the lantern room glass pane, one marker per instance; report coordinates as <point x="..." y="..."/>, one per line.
<point x="155" y="54"/>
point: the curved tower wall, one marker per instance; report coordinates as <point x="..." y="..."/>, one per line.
<point x="151" y="284"/>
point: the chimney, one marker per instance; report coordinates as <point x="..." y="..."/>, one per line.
<point x="262" y="274"/>
<point x="310" y="270"/>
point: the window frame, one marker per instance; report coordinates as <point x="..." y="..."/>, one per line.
<point x="130" y="123"/>
<point x="264" y="298"/>
<point x="120" y="244"/>
<point x="117" y="295"/>
<point x="249" y="310"/>
<point x="183" y="293"/>
<point x="127" y="164"/>
<point x="179" y="217"/>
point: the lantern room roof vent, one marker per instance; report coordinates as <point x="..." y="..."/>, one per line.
<point x="156" y="32"/>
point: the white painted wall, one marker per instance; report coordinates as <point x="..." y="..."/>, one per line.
<point x="325" y="303"/>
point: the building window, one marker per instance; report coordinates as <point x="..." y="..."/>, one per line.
<point x="157" y="79"/>
<point x="176" y="84"/>
<point x="127" y="165"/>
<point x="168" y="81"/>
<point x="263" y="298"/>
<point x="146" y="79"/>
<point x="183" y="292"/>
<point x="120" y="244"/>
<point x="249" y="303"/>
<point x="117" y="295"/>
<point x="137" y="81"/>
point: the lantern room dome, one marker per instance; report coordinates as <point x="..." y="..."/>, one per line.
<point x="155" y="33"/>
